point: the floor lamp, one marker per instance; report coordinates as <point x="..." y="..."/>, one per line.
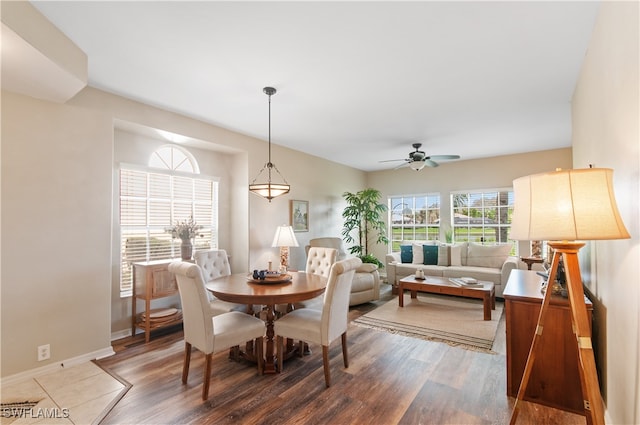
<point x="566" y="207"/>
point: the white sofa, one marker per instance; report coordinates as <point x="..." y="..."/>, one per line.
<point x="467" y="259"/>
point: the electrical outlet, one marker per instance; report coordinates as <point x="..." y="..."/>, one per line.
<point x="44" y="352"/>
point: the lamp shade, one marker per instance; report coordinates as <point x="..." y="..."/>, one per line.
<point x="284" y="236"/>
<point x="566" y="205"/>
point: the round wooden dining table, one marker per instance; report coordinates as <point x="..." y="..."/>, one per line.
<point x="242" y="289"/>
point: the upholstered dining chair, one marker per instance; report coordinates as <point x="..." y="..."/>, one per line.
<point x="206" y="331"/>
<point x="214" y="264"/>
<point x="319" y="261"/>
<point x="322" y="326"/>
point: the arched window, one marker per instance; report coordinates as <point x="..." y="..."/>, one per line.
<point x="174" y="158"/>
<point x="153" y="199"/>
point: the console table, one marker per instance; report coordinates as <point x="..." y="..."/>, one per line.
<point x="555" y="380"/>
<point x="152" y="280"/>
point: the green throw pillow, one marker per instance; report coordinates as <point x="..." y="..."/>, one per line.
<point x="430" y="254"/>
<point x="406" y="254"/>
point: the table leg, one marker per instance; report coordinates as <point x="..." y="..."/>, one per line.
<point x="269" y="364"/>
<point x="486" y="305"/>
<point x="400" y="295"/>
<point x="414" y="294"/>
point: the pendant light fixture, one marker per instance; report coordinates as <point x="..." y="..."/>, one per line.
<point x="269" y="190"/>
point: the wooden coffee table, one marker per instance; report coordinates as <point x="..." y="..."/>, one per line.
<point x="442" y="285"/>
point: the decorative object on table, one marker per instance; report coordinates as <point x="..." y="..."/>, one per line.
<point x="299" y="217"/>
<point x="565" y="207"/>
<point x="284" y="238"/>
<point x="269" y="277"/>
<point x="420" y="274"/>
<point x="269" y="189"/>
<point x="365" y="215"/>
<point x="186" y="230"/>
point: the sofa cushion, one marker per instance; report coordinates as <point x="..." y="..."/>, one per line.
<point x="430" y="255"/>
<point x="481" y="273"/>
<point x="455" y="255"/>
<point x="418" y="256"/>
<point x="487" y="255"/>
<point x="406" y="253"/>
<point x="444" y="255"/>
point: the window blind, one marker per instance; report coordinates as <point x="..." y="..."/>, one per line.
<point x="150" y="202"/>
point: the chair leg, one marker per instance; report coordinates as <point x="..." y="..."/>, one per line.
<point x="345" y="355"/>
<point x="325" y="362"/>
<point x="279" y="351"/>
<point x="185" y="362"/>
<point x="260" y="354"/>
<point x="207" y="376"/>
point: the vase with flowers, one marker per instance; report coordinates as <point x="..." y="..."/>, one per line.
<point x="186" y="230"/>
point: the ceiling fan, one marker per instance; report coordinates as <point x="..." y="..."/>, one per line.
<point x="418" y="159"/>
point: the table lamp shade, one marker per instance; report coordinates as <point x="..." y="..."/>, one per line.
<point x="284" y="236"/>
<point x="566" y="205"/>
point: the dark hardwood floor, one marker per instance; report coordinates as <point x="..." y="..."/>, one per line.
<point x="391" y="379"/>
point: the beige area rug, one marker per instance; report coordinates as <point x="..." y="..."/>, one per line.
<point x="453" y="320"/>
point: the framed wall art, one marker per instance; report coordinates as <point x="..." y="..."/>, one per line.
<point x="300" y="216"/>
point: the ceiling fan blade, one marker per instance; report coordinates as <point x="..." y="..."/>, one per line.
<point x="392" y="160"/>
<point x="401" y="165"/>
<point x="443" y="157"/>
<point x="430" y="163"/>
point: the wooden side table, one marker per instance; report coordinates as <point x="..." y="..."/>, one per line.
<point x="529" y="261"/>
<point x="555" y="379"/>
<point x="152" y="280"/>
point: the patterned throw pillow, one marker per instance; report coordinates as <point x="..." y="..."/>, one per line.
<point x="406" y="254"/>
<point x="430" y="254"/>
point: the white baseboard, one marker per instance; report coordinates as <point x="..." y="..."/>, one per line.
<point x="120" y="334"/>
<point x="39" y="371"/>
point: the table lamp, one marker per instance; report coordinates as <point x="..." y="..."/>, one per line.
<point x="567" y="207"/>
<point x="284" y="238"/>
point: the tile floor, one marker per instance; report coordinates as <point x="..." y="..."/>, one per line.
<point x="80" y="394"/>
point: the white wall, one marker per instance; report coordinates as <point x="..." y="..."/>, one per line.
<point x="606" y="133"/>
<point x="56" y="231"/>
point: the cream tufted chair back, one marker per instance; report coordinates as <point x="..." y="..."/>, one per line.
<point x="328" y="242"/>
<point x="214" y="263"/>
<point x="320" y="260"/>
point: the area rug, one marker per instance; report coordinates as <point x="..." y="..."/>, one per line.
<point x="453" y="320"/>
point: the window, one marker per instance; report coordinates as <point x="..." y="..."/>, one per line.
<point x="413" y="217"/>
<point x="153" y="199"/>
<point x="482" y="216"/>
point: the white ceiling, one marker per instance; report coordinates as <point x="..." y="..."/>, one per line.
<point x="358" y="82"/>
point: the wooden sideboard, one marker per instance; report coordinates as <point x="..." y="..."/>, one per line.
<point x="152" y="280"/>
<point x="555" y="380"/>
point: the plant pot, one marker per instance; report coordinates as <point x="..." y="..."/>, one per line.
<point x="186" y="249"/>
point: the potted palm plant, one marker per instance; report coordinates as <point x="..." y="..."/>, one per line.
<point x="364" y="217"/>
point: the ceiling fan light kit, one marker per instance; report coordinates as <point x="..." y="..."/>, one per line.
<point x="269" y="190"/>
<point x="417" y="165"/>
<point x="418" y="159"/>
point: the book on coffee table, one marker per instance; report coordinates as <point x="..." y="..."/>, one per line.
<point x="465" y="281"/>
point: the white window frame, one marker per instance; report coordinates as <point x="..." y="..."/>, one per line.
<point x="483" y="212"/>
<point x="415" y="216"/>
<point x="156" y="242"/>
